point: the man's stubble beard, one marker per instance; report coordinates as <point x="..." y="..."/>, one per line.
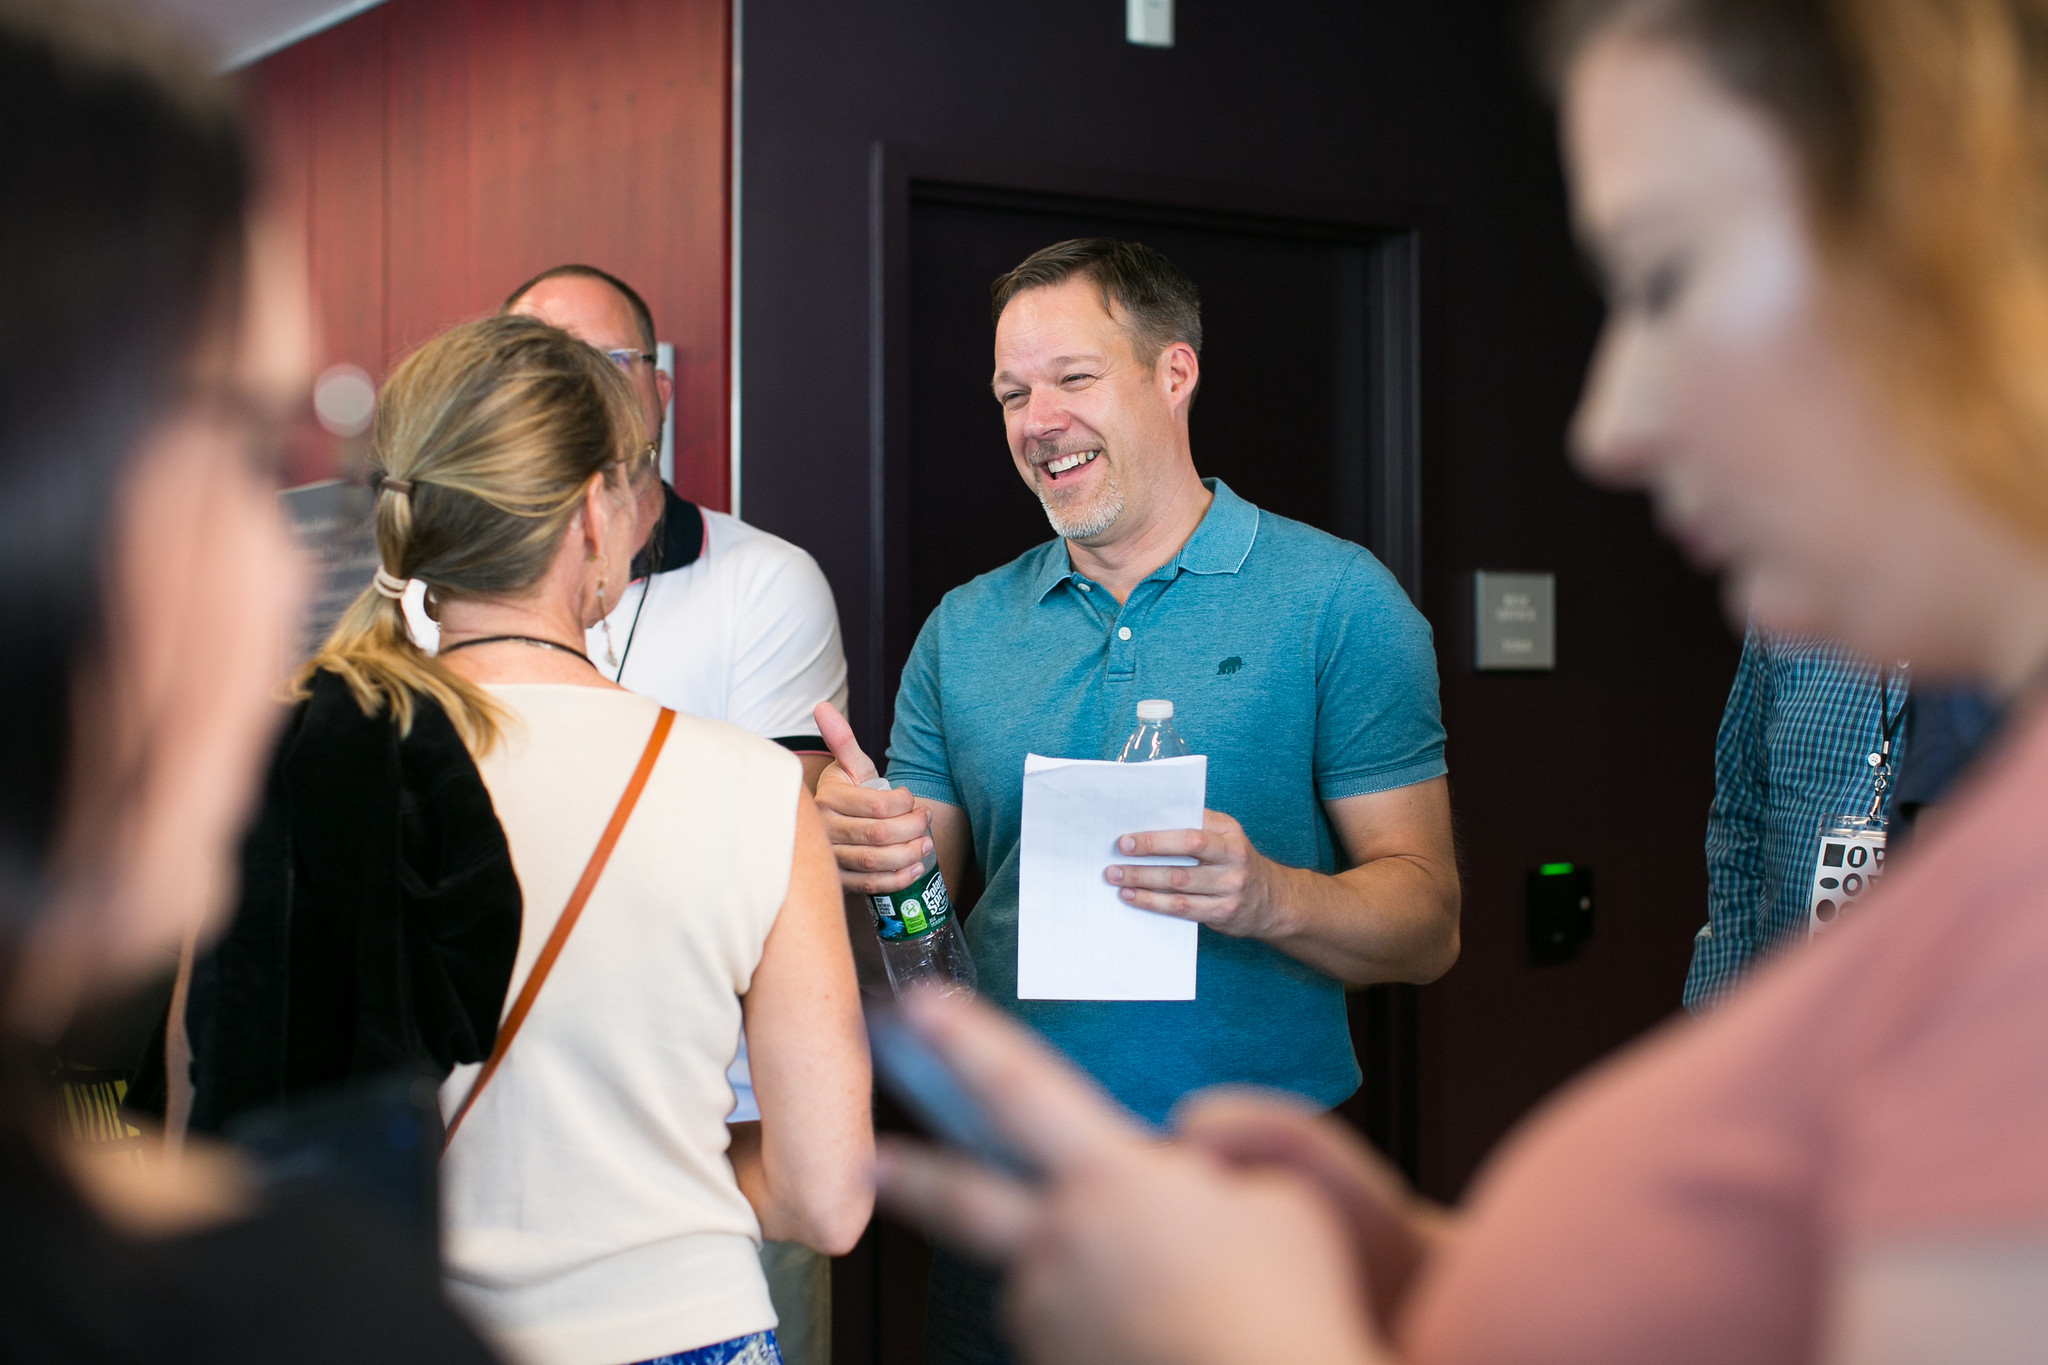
<point x="1095" y="519"/>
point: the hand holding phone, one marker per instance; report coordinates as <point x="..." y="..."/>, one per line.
<point x="922" y="1081"/>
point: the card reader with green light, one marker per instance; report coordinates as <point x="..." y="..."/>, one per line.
<point x="1560" y="912"/>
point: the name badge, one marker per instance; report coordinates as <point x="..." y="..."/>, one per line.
<point x="1849" y="864"/>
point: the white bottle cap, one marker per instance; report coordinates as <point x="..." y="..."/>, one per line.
<point x="1155" y="710"/>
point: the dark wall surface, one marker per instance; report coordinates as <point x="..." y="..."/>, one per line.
<point x="1424" y="106"/>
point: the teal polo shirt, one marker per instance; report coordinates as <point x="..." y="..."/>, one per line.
<point x="1292" y="659"/>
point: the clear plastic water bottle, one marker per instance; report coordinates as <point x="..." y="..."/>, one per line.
<point x="921" y="939"/>
<point x="1155" y="736"/>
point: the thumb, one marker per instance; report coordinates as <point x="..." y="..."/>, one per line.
<point x="838" y="737"/>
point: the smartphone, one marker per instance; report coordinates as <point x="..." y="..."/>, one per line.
<point x="924" y="1083"/>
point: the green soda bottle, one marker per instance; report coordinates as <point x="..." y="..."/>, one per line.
<point x="921" y="939"/>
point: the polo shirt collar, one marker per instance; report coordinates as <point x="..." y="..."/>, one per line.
<point x="678" y="539"/>
<point x="1221" y="543"/>
<point x="1054" y="568"/>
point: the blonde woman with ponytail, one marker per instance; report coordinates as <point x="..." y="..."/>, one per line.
<point x="489" y="442"/>
<point x="597" y="1208"/>
<point x="380" y="914"/>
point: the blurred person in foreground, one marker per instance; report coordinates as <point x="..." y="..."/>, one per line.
<point x="597" y="1208"/>
<point x="1824" y="230"/>
<point x="154" y="354"/>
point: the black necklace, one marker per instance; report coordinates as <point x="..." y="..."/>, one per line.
<point x="518" y="639"/>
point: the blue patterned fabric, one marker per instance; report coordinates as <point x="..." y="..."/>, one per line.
<point x="758" y="1349"/>
<point x="1793" y="750"/>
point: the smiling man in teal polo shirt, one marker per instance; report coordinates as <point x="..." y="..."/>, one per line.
<point x="1293" y="661"/>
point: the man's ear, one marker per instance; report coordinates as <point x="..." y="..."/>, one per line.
<point x="1180" y="370"/>
<point x="664" y="387"/>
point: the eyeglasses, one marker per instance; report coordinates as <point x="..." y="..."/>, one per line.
<point x="627" y="359"/>
<point x="642" y="462"/>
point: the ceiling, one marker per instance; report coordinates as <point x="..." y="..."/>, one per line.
<point x="237" y="32"/>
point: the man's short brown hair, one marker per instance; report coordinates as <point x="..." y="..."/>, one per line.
<point x="1160" y="304"/>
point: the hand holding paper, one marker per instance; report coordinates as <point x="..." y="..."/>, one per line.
<point x="1223" y="883"/>
<point x="1076" y="938"/>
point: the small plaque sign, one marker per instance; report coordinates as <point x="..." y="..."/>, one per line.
<point x="1515" y="620"/>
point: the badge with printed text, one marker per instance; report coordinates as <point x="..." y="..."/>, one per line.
<point x="1848" y="866"/>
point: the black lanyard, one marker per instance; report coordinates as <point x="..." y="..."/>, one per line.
<point x="1888" y="723"/>
<point x="646" y="586"/>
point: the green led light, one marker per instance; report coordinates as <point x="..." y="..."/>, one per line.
<point x="1555" y="870"/>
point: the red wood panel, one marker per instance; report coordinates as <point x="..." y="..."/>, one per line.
<point x="278" y="94"/>
<point x="434" y="229"/>
<point x="345" y="227"/>
<point x="445" y="150"/>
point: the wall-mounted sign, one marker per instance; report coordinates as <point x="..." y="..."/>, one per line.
<point x="1515" y="620"/>
<point x="1149" y="23"/>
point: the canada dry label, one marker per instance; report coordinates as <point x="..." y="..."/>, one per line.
<point x="918" y="908"/>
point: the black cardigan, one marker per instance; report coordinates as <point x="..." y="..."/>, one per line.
<point x="377" y="923"/>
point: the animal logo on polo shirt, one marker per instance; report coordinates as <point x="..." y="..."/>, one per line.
<point x="1230" y="665"/>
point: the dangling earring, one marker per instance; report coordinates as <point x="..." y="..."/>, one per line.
<point x="604" y="620"/>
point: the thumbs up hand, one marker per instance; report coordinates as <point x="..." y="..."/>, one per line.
<point x="851" y="760"/>
<point x="882" y="838"/>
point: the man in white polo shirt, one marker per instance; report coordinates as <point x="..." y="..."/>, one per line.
<point x="721" y="620"/>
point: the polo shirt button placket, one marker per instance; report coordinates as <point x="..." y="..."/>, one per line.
<point x="1123" y="654"/>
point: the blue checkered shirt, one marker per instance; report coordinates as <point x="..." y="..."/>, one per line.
<point x="1793" y="751"/>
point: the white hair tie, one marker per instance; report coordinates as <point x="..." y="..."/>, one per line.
<point x="389" y="585"/>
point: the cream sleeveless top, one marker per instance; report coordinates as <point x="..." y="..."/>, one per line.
<point x="591" y="1216"/>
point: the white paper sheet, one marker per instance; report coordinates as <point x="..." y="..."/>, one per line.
<point x="1076" y="939"/>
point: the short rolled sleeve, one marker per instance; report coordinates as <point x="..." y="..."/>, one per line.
<point x="788" y="658"/>
<point x="1378" y="722"/>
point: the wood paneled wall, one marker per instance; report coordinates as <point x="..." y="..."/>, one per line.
<point x="442" y="151"/>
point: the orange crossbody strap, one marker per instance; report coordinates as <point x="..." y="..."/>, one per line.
<point x="552" y="949"/>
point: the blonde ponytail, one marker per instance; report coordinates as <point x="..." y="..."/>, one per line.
<point x="485" y="439"/>
<point x="371" y="650"/>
